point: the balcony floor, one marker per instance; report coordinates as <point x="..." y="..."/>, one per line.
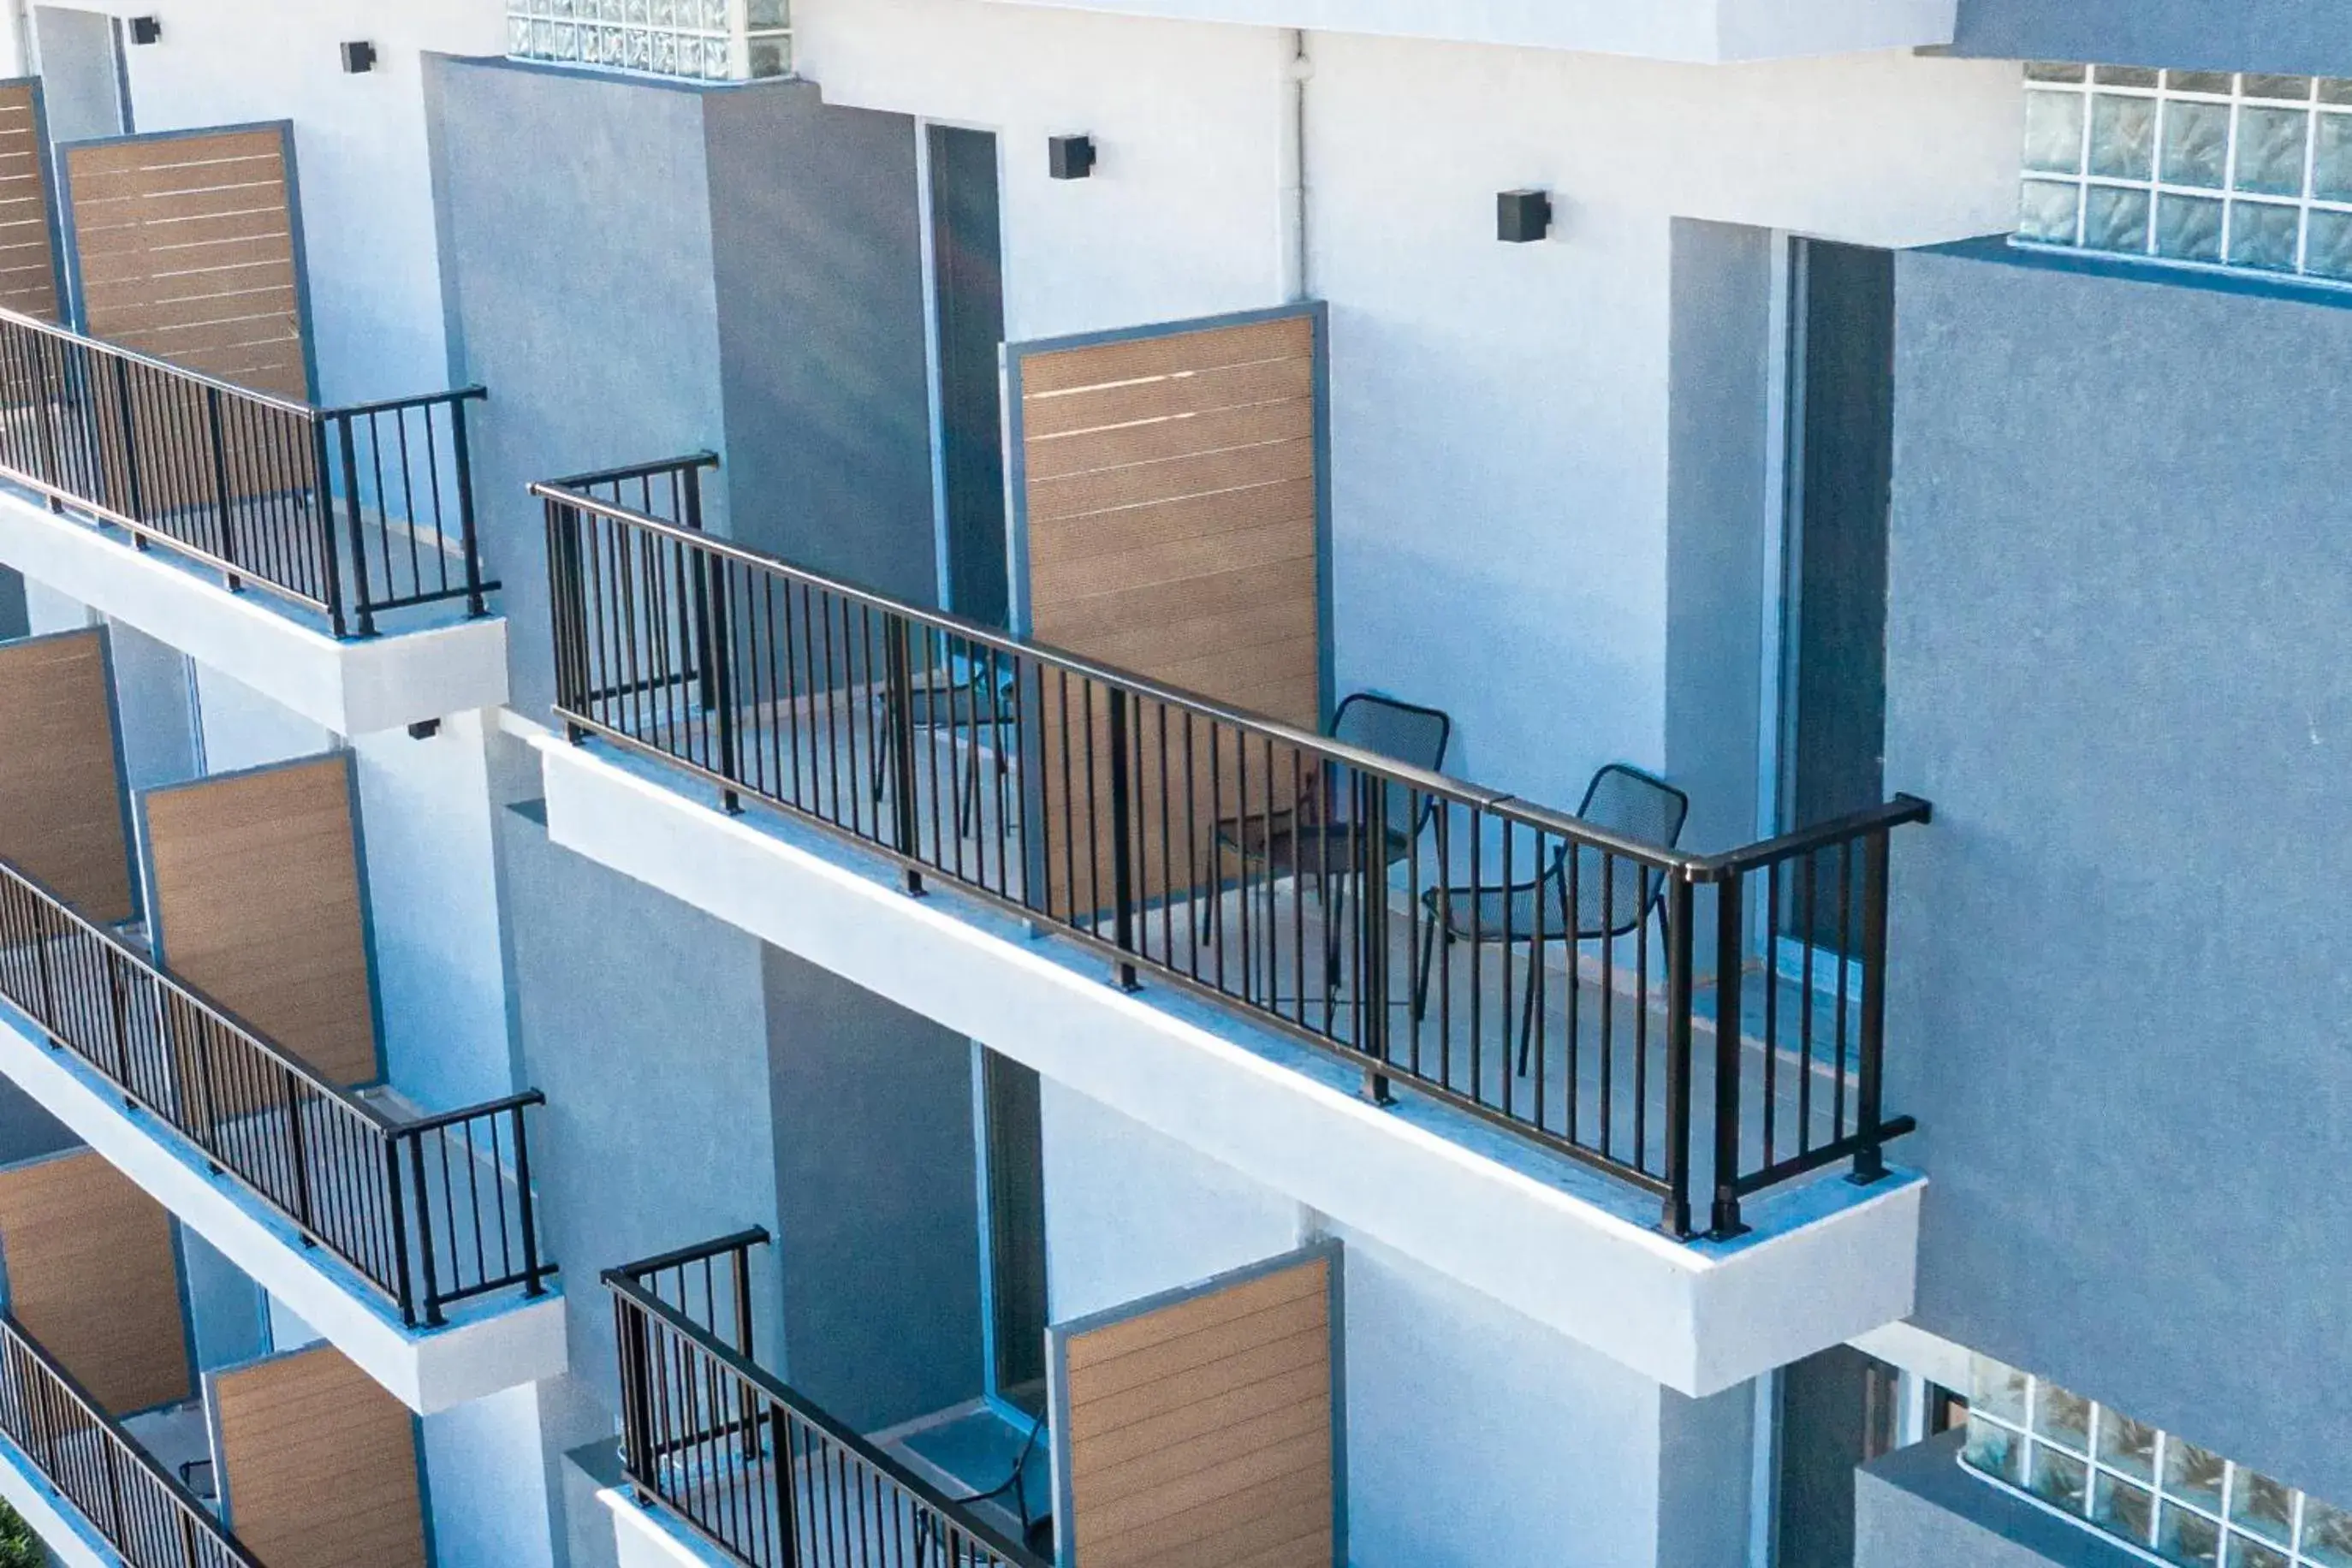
<point x="1250" y="946"/>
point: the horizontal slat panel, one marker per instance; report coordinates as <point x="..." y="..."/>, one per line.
<point x="30" y="283"/>
<point x="165" y="151"/>
<point x="1183" y="435"/>
<point x="1171" y="561"/>
<point x="93" y="1276"/>
<point x="1206" y="474"/>
<point x="1249" y="1491"/>
<point x="1189" y="392"/>
<point x="1207" y="348"/>
<point x="170" y="260"/>
<point x="60" y="788"/>
<point x="1114" y="1342"/>
<point x="1287" y="503"/>
<point x="319" y="1464"/>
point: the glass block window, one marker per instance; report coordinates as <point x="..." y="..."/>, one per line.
<point x="2212" y="168"/>
<point x="701" y="40"/>
<point x="2166" y="1496"/>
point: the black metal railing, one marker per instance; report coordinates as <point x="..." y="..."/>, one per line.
<point x="429" y="1212"/>
<point x="1611" y="999"/>
<point x="745" y="1461"/>
<point x="351" y="513"/>
<point x="132" y="1502"/>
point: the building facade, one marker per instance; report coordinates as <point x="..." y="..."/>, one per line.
<point x="1173" y="782"/>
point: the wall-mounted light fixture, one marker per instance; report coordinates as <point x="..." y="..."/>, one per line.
<point x="1522" y="217"/>
<point x="146" y="29"/>
<point x="359" y="59"/>
<point x="1070" y="157"/>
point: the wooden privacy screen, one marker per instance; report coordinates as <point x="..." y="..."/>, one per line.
<point x="93" y="1278"/>
<point x="61" y="780"/>
<point x="1171" y="523"/>
<point x="185" y="249"/>
<point x="1196" y="1430"/>
<point x="255" y="887"/>
<point x="318" y="1464"/>
<point x="29" y="258"/>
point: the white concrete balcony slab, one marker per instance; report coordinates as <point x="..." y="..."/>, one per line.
<point x="407" y="674"/>
<point x="490" y="1342"/>
<point x="1699" y="31"/>
<point x="1823" y="1262"/>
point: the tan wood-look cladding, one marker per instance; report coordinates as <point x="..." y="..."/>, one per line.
<point x="28" y="257"/>
<point x="92" y="1277"/>
<point x="1170" y="498"/>
<point x="1200" y="1434"/>
<point x="319" y="1463"/>
<point x="257" y="903"/>
<point x="60" y="785"/>
<point x="185" y="249"/>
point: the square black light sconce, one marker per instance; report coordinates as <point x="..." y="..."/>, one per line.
<point x="1522" y="217"/>
<point x="359" y="59"/>
<point x="146" y="29"/>
<point x="1070" y="157"/>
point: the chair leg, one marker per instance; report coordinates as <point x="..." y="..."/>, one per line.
<point x="1421" y="972"/>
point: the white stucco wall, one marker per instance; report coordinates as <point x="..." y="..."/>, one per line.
<point x="1499" y="427"/>
<point x="1475" y="1436"/>
<point x="367" y="198"/>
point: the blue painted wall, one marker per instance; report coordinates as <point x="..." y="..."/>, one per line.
<point x="2121" y="575"/>
<point x="2302" y="36"/>
<point x="13" y="621"/>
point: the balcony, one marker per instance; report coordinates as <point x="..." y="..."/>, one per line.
<point x="1264" y="1009"/>
<point x="326" y="557"/>
<point x="1700" y="31"/>
<point x="730" y="1464"/>
<point x="409" y="1240"/>
<point x="97" y="1496"/>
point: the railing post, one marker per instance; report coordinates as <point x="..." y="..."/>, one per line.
<point x="900" y="700"/>
<point x="717" y="666"/>
<point x="1730" y="953"/>
<point x="396" y="1198"/>
<point x="1373" y="914"/>
<point x="322" y="492"/>
<point x="567" y="594"/>
<point x="1681" y="902"/>
<point x="424" y="1234"/>
<point x="468" y="533"/>
<point x="1122" y="848"/>
<point x="1870" y="1159"/>
<point x="630" y="1335"/>
<point x="129" y="447"/>
<point x="225" y="508"/>
<point x="106" y="1446"/>
<point x="527" y="1210"/>
<point x="349" y="451"/>
<point x="299" y="1141"/>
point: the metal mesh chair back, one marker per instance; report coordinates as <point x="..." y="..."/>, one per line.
<point x="1402" y="732"/>
<point x="1614" y="895"/>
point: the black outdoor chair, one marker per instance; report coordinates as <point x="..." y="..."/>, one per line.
<point x="1610" y="902"/>
<point x="1322" y="836"/>
<point x="962" y="692"/>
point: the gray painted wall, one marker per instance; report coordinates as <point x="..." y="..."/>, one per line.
<point x="152" y="694"/>
<point x="1919" y="1507"/>
<point x="81" y="77"/>
<point x="876" y="1199"/>
<point x="26" y="1131"/>
<point x="816" y="228"/>
<point x="1719" y="375"/>
<point x="641" y="1022"/>
<point x="1706" y="1461"/>
<point x="2120" y="578"/>
<point x="13" y="621"/>
<point x="2242" y="34"/>
<point x="752" y="286"/>
<point x="576" y="222"/>
<point x="227" y="1312"/>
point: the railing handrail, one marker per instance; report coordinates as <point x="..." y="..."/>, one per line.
<point x="619" y="1281"/>
<point x="1322" y="747"/>
<point x="180" y="1497"/>
<point x="705" y="459"/>
<point x="284" y="405"/>
<point x="634" y="1273"/>
<point x="392" y="1129"/>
